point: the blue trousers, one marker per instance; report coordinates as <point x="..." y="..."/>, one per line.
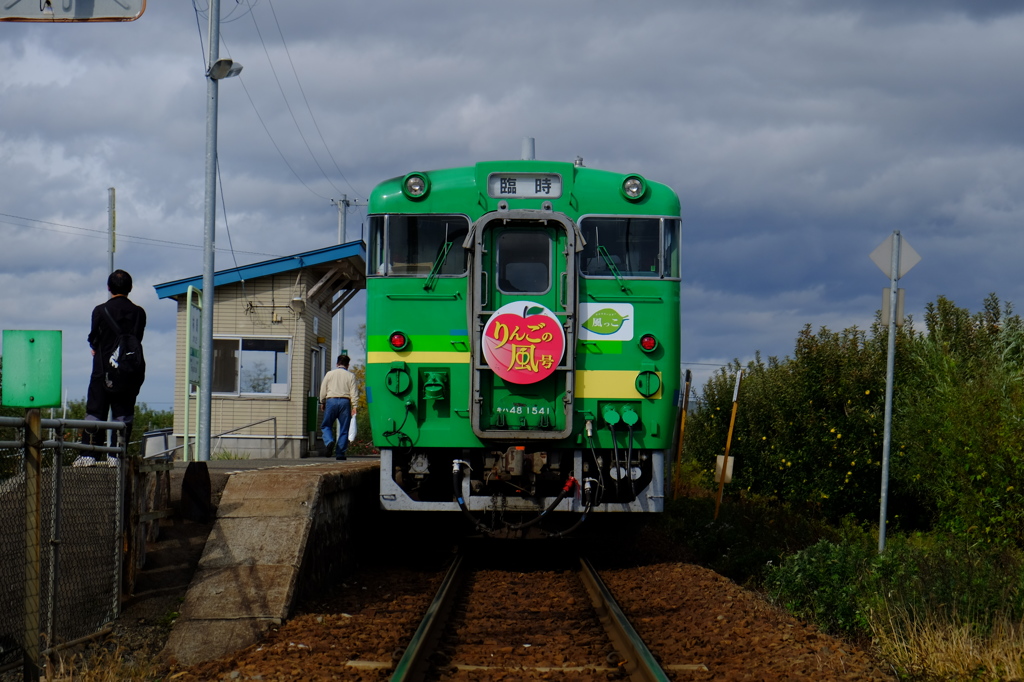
<point x="340" y="410"/>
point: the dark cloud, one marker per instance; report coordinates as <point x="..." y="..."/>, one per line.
<point x="798" y="135"/>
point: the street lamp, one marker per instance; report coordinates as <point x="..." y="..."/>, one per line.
<point x="219" y="68"/>
<point x="224" y="68"/>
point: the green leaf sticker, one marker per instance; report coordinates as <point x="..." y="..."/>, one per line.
<point x="604" y="321"/>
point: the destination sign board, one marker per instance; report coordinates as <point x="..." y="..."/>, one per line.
<point x="71" y="10"/>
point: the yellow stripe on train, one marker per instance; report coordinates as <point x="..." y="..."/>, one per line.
<point x="593" y="384"/>
<point x="609" y="385"/>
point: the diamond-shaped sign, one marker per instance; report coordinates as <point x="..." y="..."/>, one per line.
<point x="71" y="10"/>
<point x="882" y="256"/>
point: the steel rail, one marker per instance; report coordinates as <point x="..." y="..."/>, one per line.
<point x="639" y="664"/>
<point x="413" y="664"/>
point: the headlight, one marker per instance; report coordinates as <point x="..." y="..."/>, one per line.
<point x="633" y="187"/>
<point x="415" y="185"/>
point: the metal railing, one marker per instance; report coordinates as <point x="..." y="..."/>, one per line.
<point x="191" y="441"/>
<point x="61" y="529"/>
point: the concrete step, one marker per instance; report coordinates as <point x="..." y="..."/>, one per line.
<point x="179" y="543"/>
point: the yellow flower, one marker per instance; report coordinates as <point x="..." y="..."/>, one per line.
<point x="839" y="435"/>
<point x="867" y="392"/>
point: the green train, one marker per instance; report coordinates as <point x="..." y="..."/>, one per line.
<point x="523" y="342"/>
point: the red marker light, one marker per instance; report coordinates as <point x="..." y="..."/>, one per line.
<point x="398" y="340"/>
<point x="648" y="342"/>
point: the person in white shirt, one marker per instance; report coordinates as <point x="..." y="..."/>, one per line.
<point x="338" y="398"/>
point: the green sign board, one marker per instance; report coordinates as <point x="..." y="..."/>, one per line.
<point x="32" y="368"/>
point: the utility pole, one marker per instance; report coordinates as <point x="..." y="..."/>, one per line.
<point x="343" y="205"/>
<point x="112" y="226"/>
<point x="219" y="68"/>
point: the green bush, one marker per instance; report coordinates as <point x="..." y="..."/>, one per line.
<point x="809" y="428"/>
<point x="936" y="577"/>
<point x="824" y="584"/>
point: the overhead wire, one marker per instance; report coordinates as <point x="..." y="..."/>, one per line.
<point x="251" y="11"/>
<point x="298" y="82"/>
<point x="103" y="234"/>
<point x="284" y="97"/>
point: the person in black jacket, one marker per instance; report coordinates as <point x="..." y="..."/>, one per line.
<point x="103" y="339"/>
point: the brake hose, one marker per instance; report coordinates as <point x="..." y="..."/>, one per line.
<point x="457" y="485"/>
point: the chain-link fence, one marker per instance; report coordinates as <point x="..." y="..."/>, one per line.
<point x="61" y="508"/>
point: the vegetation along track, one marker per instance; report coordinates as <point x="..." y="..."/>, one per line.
<point x="687" y="615"/>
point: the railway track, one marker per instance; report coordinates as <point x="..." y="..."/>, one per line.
<point x="518" y="623"/>
<point x="567" y="623"/>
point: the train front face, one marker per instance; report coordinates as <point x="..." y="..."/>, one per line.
<point x="523" y="340"/>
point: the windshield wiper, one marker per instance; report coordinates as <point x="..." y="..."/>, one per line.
<point x="442" y="256"/>
<point x="603" y="252"/>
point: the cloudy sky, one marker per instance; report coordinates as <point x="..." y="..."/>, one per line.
<point x="798" y="134"/>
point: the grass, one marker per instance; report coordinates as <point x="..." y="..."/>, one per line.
<point x="940" y="649"/>
<point x="935" y="606"/>
<point x="228" y="455"/>
<point x="101" y="666"/>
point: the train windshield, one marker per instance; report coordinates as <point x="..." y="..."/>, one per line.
<point x="418" y="244"/>
<point x="630" y="247"/>
<point x="524" y="262"/>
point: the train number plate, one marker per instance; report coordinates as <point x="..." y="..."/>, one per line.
<point x="524" y="185"/>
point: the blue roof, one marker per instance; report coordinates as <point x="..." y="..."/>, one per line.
<point x="268" y="267"/>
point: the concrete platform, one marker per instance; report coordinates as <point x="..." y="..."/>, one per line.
<point x="282" y="527"/>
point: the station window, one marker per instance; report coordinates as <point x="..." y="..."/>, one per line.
<point x="417" y="244"/>
<point x="631" y="246"/>
<point x="251" y="366"/>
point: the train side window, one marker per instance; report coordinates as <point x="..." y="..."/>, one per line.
<point x="671" y="267"/>
<point x="376" y="246"/>
<point x="524" y="262"/>
<point x="417" y="244"/>
<point x="632" y="246"/>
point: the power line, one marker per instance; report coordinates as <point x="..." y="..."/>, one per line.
<point x="306" y="100"/>
<point x="284" y="97"/>
<point x="102" y="234"/>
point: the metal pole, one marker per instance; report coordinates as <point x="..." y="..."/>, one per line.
<point x="209" y="231"/>
<point x="56" y="495"/>
<point x="33" y="542"/>
<point x="344" y="227"/>
<point x="342" y="205"/>
<point x="112" y="224"/>
<point x="890" y="364"/>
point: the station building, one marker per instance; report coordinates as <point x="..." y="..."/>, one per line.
<point x="272" y="324"/>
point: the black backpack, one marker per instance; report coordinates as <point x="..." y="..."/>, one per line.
<point x="124" y="367"/>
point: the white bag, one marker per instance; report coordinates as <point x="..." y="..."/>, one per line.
<point x="352" y="429"/>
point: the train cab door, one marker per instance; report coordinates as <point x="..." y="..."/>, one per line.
<point x="523" y="302"/>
